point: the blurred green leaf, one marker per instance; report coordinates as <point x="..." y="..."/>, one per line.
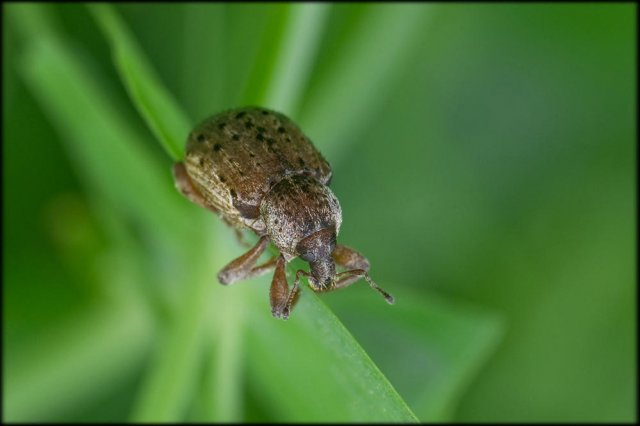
<point x="295" y="58"/>
<point x="75" y="362"/>
<point x="204" y="73"/>
<point x="263" y="68"/>
<point x="113" y="163"/>
<point x="168" y="122"/>
<point x="106" y="150"/>
<point x="360" y="71"/>
<point x="432" y="348"/>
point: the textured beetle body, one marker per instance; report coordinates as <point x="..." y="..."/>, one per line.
<point x="321" y="210"/>
<point x="256" y="169"/>
<point x="234" y="159"/>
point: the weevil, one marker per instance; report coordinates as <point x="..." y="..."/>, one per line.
<point x="256" y="169"/>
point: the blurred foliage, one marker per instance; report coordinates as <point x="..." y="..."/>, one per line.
<point x="484" y="158"/>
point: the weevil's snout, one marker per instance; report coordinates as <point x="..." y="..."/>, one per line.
<point x="316" y="249"/>
<point x="323" y="272"/>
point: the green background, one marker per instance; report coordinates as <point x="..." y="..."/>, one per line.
<point x="484" y="159"/>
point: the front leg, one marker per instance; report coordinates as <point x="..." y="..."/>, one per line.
<point x="282" y="300"/>
<point x="349" y="258"/>
<point x="358" y="266"/>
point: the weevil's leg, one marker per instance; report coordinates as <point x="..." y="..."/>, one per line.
<point x="295" y="290"/>
<point x="259" y="270"/>
<point x="185" y="186"/>
<point x="359" y="267"/>
<point x="282" y="299"/>
<point x="243" y="267"/>
<point x="279" y="291"/>
<point x="349" y="258"/>
<point x="346" y="278"/>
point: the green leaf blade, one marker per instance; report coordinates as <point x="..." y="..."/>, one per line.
<point x="164" y="117"/>
<point x="343" y="385"/>
<point x="432" y="348"/>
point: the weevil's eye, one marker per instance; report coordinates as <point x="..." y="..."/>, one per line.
<point x="308" y="256"/>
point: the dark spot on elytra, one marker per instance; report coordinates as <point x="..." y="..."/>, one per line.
<point x="281" y="129"/>
<point x="233" y="193"/>
<point x="251" y="154"/>
<point x="276" y="221"/>
<point x="222" y="179"/>
<point x="201" y="162"/>
<point x="260" y="129"/>
<point x="240" y="114"/>
<point x="270" y="141"/>
<point x="288" y="139"/>
<point x="265" y="112"/>
<point x="217" y="147"/>
<point x="301" y="161"/>
<point x="200" y="138"/>
<point x="248" y="124"/>
<point x="235" y="137"/>
<point x="260" y="137"/>
<point x="221" y="125"/>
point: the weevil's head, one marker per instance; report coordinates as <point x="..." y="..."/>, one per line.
<point x="316" y="249"/>
<point x="303" y="218"/>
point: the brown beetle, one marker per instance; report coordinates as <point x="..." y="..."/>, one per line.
<point x="256" y="169"/>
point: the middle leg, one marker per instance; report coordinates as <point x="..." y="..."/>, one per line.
<point x="244" y="266"/>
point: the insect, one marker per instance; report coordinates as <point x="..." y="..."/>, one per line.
<point x="256" y="169"/>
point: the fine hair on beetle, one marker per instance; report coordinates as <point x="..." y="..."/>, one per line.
<point x="256" y="170"/>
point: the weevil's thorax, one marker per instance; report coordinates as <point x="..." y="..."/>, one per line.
<point x="297" y="207"/>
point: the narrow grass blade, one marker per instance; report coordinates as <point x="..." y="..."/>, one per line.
<point x="205" y="70"/>
<point x="105" y="149"/>
<point x="263" y="68"/>
<point x="172" y="378"/>
<point x="110" y="159"/>
<point x="433" y="348"/>
<point x="362" y="69"/>
<point x="310" y="368"/>
<point x="296" y="56"/>
<point x="156" y="105"/>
